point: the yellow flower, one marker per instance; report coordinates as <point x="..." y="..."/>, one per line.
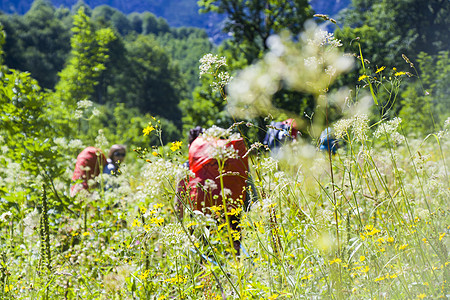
<point x="424" y="240"/>
<point x="86" y="233"/>
<point x="374" y="231"/>
<point x="8" y="288"/>
<point x="154" y="153"/>
<point x="402" y="246"/>
<point x="362" y="77"/>
<point x="175" y="146"/>
<point x="158" y="205"/>
<point x="336" y="260"/>
<point x="365" y="270"/>
<point x="148" y="129"/>
<point x="144" y="275"/>
<point x="368" y="227"/>
<point x="390" y="239"/>
<point x="380" y="69"/>
<point x="307" y="277"/>
<point x="143" y="209"/>
<point x="421" y="296"/>
<point x="441" y="235"/>
<point x="379" y="279"/>
<point x="273" y="297"/>
<point x="382" y="250"/>
<point x="399" y="73"/>
<point x="136" y="223"/>
<point x="362" y="258"/>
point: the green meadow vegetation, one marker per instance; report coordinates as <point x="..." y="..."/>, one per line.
<point x="370" y="222"/>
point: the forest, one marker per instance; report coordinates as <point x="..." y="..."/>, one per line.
<point x="370" y="221"/>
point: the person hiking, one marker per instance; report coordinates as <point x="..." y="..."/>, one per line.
<point x="280" y="132"/>
<point x="327" y="141"/>
<point x="89" y="164"/>
<point x="203" y="192"/>
<point x="116" y="155"/>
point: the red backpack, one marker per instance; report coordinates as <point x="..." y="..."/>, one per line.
<point x="205" y="167"/>
<point x="90" y="163"/>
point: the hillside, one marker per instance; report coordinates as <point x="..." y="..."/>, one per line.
<point x="176" y="12"/>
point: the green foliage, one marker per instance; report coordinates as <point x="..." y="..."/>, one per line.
<point x="251" y="22"/>
<point x="88" y="57"/>
<point x="425" y="102"/>
<point x="38" y="42"/>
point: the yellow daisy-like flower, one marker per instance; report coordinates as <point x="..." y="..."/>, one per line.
<point x="136" y="223"/>
<point x="336" y="260"/>
<point x="175" y="146"/>
<point x="362" y="258"/>
<point x="402" y="246"/>
<point x="148" y="129"/>
<point x="154" y="153"/>
<point x="421" y="296"/>
<point x="399" y="73"/>
<point x="362" y="77"/>
<point x="380" y="69"/>
<point x="441" y="236"/>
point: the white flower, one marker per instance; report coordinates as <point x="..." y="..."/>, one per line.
<point x="5" y="216"/>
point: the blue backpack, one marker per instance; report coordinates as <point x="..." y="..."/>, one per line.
<point x="278" y="135"/>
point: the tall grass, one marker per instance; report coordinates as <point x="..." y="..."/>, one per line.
<point x="371" y="222"/>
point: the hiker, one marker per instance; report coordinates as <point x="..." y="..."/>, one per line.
<point x="281" y="132"/>
<point x="116" y="155"/>
<point x="327" y="141"/>
<point x="203" y="191"/>
<point x="90" y="162"/>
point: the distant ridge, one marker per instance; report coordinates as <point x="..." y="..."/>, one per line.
<point x="177" y="12"/>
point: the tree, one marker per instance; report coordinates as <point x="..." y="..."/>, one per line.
<point x="251" y="22"/>
<point x="88" y="57"/>
<point x="388" y="29"/>
<point x="43" y="44"/>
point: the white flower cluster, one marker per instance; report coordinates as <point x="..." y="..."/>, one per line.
<point x="303" y="66"/>
<point x="358" y="124"/>
<point x="209" y="63"/>
<point x="389" y="129"/>
<point x="220" y="133"/>
<point x="159" y="177"/>
<point x="322" y="38"/>
<point x="84" y="107"/>
<point x="173" y="236"/>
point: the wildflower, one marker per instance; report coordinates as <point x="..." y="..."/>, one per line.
<point x="306" y="277"/>
<point x="402" y="246"/>
<point x="373" y="231"/>
<point x="5" y="216"/>
<point x="380" y="69"/>
<point x="379" y="279"/>
<point x="362" y="77"/>
<point x="136" y="223"/>
<point x="142" y="209"/>
<point x="421" y="296"/>
<point x="424" y="240"/>
<point x="148" y="129"/>
<point x="366" y="269"/>
<point x="8" y="288"/>
<point x="382" y="250"/>
<point x="273" y="297"/>
<point x="399" y="73"/>
<point x="441" y="236"/>
<point x="158" y="205"/>
<point x="336" y="260"/>
<point x="144" y="274"/>
<point x="175" y="146"/>
<point x="154" y="153"/>
<point x="362" y="258"/>
<point x="390" y="239"/>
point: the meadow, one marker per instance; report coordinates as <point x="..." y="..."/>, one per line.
<point x="370" y="222"/>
